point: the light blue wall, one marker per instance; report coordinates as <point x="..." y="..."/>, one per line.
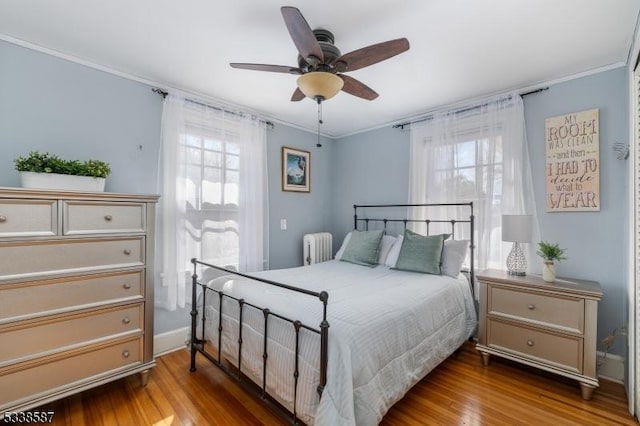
<point x="596" y="242"/>
<point x="304" y="212"/>
<point x="76" y="112"/>
<point x="369" y="168"/>
<point x="372" y="167"/>
<point x="50" y="104"/>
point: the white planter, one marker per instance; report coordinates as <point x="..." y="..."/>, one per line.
<point x="548" y="271"/>
<point x="62" y="182"/>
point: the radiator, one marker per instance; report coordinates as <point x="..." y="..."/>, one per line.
<point x="317" y="247"/>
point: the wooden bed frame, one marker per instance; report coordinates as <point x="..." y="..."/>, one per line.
<point x="197" y="344"/>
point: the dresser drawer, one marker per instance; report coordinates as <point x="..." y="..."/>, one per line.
<point x="563" y="351"/>
<point x="37" y="338"/>
<point x="562" y="313"/>
<point x="84" y="217"/>
<point x="37" y="258"/>
<point x="37" y="298"/>
<point x="28" y="218"/>
<point x="43" y="378"/>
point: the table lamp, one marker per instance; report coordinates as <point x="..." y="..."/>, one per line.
<point x="516" y="228"/>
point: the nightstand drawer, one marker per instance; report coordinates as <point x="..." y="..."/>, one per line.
<point x="46" y="297"/>
<point x="37" y="258"/>
<point x="562" y="313"/>
<point x="28" y="218"/>
<point x="563" y="351"/>
<point x="32" y="339"/>
<point x="85" y="217"/>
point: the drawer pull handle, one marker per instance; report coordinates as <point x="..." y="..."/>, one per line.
<point x="125" y="354"/>
<point x="3" y="219"/>
<point x="126" y="286"/>
<point x="530" y="342"/>
<point x="126" y="320"/>
<point x="531" y="306"/>
<point x="127" y="252"/>
<point x="108" y="218"/>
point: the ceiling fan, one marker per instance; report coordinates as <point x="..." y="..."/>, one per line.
<point x="321" y="65"/>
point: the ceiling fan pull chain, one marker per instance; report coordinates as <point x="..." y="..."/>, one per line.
<point x="319" y="120"/>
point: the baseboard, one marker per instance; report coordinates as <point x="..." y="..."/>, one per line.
<point x="170" y="341"/>
<point x="612" y="368"/>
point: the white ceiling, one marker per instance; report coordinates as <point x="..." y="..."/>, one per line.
<point x="460" y="49"/>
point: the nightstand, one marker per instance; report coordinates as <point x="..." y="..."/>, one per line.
<point x="551" y="326"/>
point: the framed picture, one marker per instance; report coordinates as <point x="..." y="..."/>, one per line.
<point x="296" y="170"/>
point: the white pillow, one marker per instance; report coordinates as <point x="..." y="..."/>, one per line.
<point x="342" y="248"/>
<point x="385" y="246"/>
<point x="454" y="253"/>
<point x="392" y="257"/>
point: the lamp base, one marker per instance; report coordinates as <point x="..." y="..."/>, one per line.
<point x="516" y="262"/>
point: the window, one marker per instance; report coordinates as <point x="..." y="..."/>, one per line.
<point x="476" y="154"/>
<point x="475" y="174"/>
<point x="213" y="183"/>
<point x="213" y="177"/>
<point x="475" y="171"/>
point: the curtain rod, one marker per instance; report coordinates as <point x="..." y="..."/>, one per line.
<point x="401" y="126"/>
<point x="164" y="95"/>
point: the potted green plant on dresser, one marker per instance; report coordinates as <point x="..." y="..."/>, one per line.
<point x="549" y="253"/>
<point x="47" y="171"/>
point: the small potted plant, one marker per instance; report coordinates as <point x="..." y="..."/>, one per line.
<point x="549" y="254"/>
<point x="48" y="171"/>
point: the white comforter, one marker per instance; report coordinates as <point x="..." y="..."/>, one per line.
<point x="388" y="329"/>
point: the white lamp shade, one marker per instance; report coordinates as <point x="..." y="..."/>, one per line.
<point x="516" y="228"/>
<point x="320" y="84"/>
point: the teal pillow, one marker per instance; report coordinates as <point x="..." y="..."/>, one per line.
<point x="421" y="253"/>
<point x="363" y="248"/>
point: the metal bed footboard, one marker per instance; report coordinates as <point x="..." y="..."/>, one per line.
<point x="198" y="344"/>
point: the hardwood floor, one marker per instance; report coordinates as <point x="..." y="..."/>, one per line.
<point x="458" y="392"/>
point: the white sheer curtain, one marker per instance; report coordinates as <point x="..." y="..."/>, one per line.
<point x="475" y="154"/>
<point x="213" y="186"/>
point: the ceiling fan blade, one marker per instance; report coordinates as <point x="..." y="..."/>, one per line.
<point x="297" y="95"/>
<point x="357" y="88"/>
<point x="302" y="36"/>
<point x="373" y="54"/>
<point x="264" y="67"/>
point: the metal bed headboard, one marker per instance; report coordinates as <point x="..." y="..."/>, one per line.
<point x="427" y="221"/>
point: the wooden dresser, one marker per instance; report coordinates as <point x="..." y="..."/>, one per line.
<point x="76" y="292"/>
<point x="551" y="326"/>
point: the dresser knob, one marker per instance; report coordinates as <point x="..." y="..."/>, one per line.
<point x="127" y="252"/>
<point x="126" y="286"/>
<point x="126" y="320"/>
<point x="530" y="342"/>
<point x="125" y="354"/>
<point x="108" y="218"/>
<point x="531" y="306"/>
<point x="3" y="219"/>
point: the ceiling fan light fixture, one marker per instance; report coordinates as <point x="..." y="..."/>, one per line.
<point x="320" y="85"/>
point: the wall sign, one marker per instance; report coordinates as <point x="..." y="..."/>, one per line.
<point x="573" y="162"/>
